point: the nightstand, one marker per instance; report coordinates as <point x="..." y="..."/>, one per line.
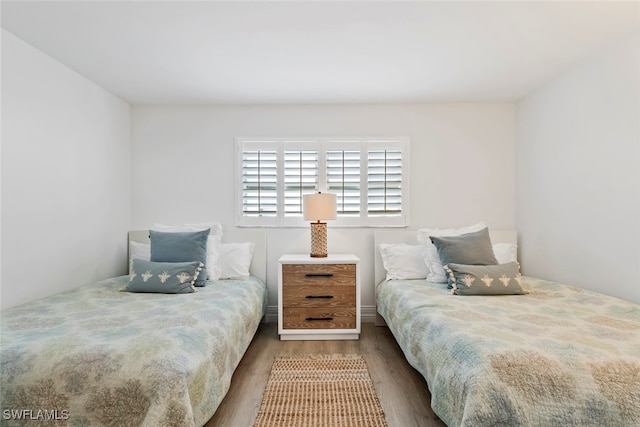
<point x="319" y="298"/>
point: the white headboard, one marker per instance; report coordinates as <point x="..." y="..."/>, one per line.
<point x="410" y="237"/>
<point x="259" y="237"/>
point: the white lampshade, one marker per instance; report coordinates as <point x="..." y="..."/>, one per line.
<point x="319" y="207"/>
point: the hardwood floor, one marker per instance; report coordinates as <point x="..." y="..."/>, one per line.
<point x="401" y="389"/>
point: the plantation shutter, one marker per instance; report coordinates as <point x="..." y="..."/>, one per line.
<point x="259" y="183"/>
<point x="300" y="178"/>
<point x="384" y="177"/>
<point x="343" y="180"/>
<point x="367" y="175"/>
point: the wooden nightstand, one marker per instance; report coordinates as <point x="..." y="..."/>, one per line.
<point x="319" y="298"/>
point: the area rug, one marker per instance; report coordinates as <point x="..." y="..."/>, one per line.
<point x="332" y="390"/>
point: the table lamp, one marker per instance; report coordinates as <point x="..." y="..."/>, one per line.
<point x="319" y="207"/>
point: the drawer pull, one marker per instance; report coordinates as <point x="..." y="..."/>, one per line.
<point x="319" y="296"/>
<point x="310" y="319"/>
<point x="319" y="275"/>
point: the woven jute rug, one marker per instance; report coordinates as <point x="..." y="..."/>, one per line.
<point x="332" y="390"/>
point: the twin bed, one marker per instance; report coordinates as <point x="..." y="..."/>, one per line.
<point x="557" y="356"/>
<point x="97" y="356"/>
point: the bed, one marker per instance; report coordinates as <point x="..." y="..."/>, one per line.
<point x="557" y="356"/>
<point x="98" y="356"/>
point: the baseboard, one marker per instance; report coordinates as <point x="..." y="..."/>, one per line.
<point x="271" y="316"/>
<point x="367" y="314"/>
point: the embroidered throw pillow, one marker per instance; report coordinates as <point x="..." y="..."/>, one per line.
<point x="501" y="279"/>
<point x="163" y="277"/>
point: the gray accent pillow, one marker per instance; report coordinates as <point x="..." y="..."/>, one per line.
<point x="471" y="248"/>
<point x="163" y="277"/>
<point x="501" y="279"/>
<point x="181" y="247"/>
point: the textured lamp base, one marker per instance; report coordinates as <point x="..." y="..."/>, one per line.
<point x="318" y="239"/>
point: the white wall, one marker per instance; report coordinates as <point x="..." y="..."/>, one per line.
<point x="65" y="177"/>
<point x="461" y="163"/>
<point x="578" y="188"/>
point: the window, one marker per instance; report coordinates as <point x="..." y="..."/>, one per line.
<point x="368" y="177"/>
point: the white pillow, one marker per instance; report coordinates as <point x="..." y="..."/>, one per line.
<point x="235" y="260"/>
<point x="403" y="261"/>
<point x="213" y="242"/>
<point x="138" y="250"/>
<point x="505" y="252"/>
<point x="436" y="273"/>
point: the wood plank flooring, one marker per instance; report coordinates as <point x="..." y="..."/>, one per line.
<point x="401" y="389"/>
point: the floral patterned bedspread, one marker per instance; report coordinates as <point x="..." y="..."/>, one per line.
<point x="96" y="356"/>
<point x="559" y="356"/>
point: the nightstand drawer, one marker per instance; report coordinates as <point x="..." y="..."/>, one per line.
<point x="319" y="318"/>
<point x="319" y="274"/>
<point x="318" y="296"/>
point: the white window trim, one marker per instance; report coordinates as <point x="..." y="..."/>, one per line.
<point x="323" y="145"/>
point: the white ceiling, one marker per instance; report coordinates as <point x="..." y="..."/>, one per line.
<point x="319" y="51"/>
